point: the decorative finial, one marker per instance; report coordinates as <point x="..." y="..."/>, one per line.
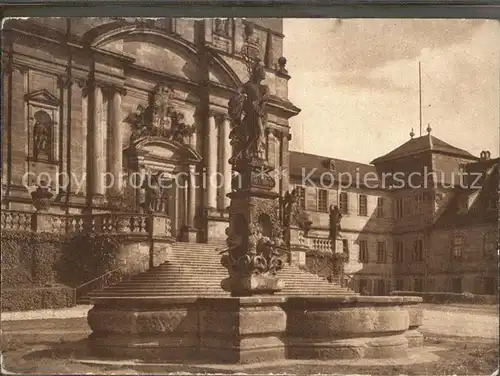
<point x="412" y="134"/>
<point x="429" y="129"/>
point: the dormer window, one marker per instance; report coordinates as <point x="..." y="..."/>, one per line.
<point x="331" y="165"/>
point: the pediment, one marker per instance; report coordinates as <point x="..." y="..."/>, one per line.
<point x="161" y="149"/>
<point x="43" y="96"/>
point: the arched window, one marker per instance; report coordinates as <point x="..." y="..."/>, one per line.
<point x="42" y="135"/>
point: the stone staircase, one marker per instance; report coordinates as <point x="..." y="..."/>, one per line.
<point x="194" y="269"/>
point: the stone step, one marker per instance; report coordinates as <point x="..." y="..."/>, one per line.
<point x="195" y="270"/>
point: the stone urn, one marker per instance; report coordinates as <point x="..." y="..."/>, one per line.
<point x="42" y="198"/>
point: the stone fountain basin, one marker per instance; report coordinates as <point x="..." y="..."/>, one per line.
<point x="254" y="329"/>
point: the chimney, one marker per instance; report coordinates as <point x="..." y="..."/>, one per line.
<point x="485" y="155"/>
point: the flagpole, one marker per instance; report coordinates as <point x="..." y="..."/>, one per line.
<point x="420" y="95"/>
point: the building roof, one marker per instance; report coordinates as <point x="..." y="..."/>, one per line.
<point x="479" y="201"/>
<point x="314" y="166"/>
<point x="423" y="144"/>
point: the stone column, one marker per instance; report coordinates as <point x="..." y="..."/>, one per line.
<point x="211" y="155"/>
<point x="226" y="154"/>
<point x="115" y="160"/>
<point x="190" y="232"/>
<point x="191" y="210"/>
<point x="96" y="150"/>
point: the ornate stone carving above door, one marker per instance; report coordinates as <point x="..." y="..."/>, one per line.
<point x="160" y="118"/>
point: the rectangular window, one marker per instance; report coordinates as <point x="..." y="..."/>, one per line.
<point x="418" y="250"/>
<point x="380" y="287"/>
<point x="490" y="244"/>
<point x="418" y="285"/>
<point x="398" y="252"/>
<point x="456" y="285"/>
<point x="399" y="284"/>
<point x="363" y="203"/>
<point x="363" y="251"/>
<point x="418" y="204"/>
<point x="399" y="208"/>
<point x="457" y="246"/>
<point x="322" y="200"/>
<point x="489" y="286"/>
<point x="301" y="194"/>
<point x="381" y="252"/>
<point x="380" y="207"/>
<point x="344" y="203"/>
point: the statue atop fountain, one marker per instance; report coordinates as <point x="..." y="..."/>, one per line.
<point x="255" y="233"/>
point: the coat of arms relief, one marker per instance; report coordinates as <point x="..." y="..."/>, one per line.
<point x="160" y="118"/>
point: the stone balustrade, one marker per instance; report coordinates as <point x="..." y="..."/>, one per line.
<point x="115" y="223"/>
<point x="319" y="244"/>
<point x="15" y="220"/>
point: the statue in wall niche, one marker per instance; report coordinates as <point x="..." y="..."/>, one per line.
<point x="247" y="110"/>
<point x="42" y="134"/>
<point x="334" y="222"/>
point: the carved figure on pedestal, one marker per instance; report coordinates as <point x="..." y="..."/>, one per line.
<point x="247" y="110"/>
<point x="156" y="198"/>
<point x="289" y="208"/>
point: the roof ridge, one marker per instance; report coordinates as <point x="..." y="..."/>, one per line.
<point x="328" y="157"/>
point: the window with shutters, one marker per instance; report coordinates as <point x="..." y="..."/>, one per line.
<point x="322" y="200"/>
<point x="344" y="203"/>
<point x="363" y="251"/>
<point x="363" y="203"/>
<point x="399" y="284"/>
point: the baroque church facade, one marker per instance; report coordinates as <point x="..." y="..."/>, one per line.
<point x="102" y="103"/>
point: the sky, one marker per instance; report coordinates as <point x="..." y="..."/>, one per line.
<point x="356" y="81"/>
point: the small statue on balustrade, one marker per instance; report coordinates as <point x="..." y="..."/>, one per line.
<point x="247" y="110"/>
<point x="335" y="218"/>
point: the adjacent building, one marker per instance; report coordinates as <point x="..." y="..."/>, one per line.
<point x="422" y="217"/>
